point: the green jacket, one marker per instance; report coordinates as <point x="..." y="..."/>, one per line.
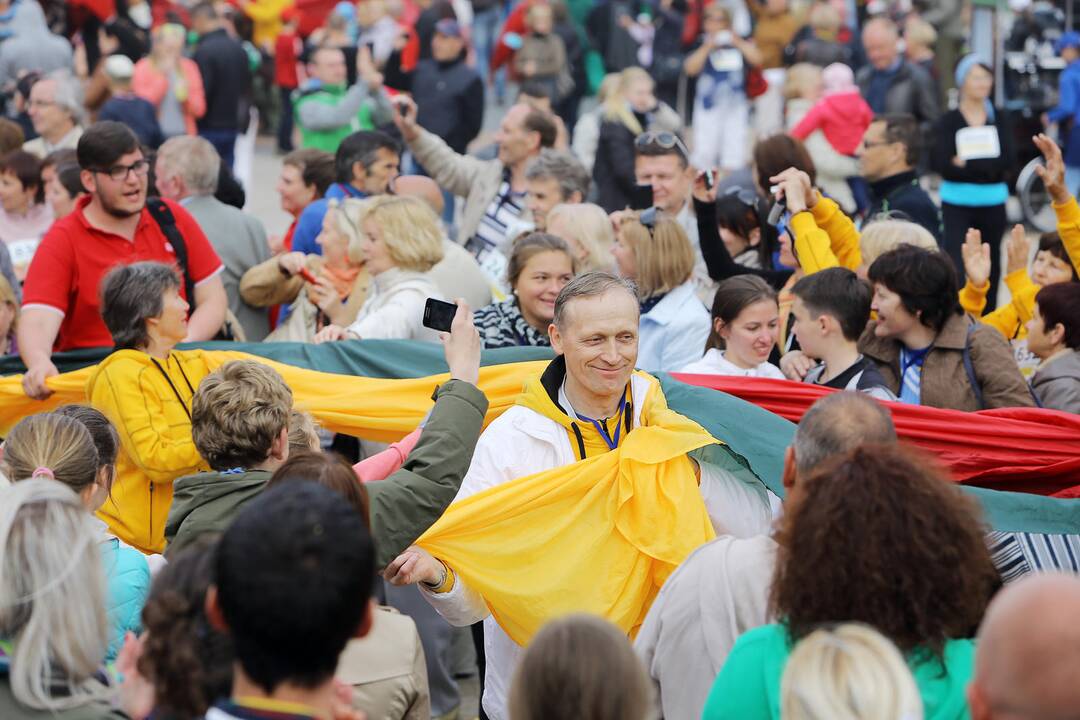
<point x="403" y="505"/>
<point x="327" y="114"/>
<point x="748" y="686"/>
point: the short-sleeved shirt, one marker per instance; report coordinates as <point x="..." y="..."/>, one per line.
<point x="74" y="257"/>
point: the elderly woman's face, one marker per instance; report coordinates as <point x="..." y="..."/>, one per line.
<point x="376" y="253"/>
<point x="334" y="243"/>
<point x="171" y="325"/>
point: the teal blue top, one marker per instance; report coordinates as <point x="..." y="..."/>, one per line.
<point x="748" y="687"/>
<point x="973" y="194"/>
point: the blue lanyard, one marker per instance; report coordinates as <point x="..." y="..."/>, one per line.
<point x="602" y="428"/>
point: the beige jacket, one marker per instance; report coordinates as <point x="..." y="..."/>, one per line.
<point x="386" y="669"/>
<point x="719" y="592"/>
<point x="265" y="285"/>
<point x="475" y="180"/>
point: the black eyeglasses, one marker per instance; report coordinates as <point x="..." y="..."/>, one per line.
<point x="664" y="139"/>
<point x="119" y="173"/>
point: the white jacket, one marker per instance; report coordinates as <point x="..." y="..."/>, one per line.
<point x="522" y="442"/>
<point x="394" y="309"/>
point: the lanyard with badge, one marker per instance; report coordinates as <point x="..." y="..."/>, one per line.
<point x="601" y="428"/>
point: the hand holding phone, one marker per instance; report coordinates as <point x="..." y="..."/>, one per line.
<point x="642" y="198"/>
<point x="439" y="315"/>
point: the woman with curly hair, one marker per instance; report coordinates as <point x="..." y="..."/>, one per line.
<point x="879" y="537"/>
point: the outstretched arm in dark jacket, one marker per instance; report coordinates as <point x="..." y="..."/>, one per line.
<point x="406" y="504"/>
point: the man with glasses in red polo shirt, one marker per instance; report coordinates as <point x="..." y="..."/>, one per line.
<point x="110" y="226"/>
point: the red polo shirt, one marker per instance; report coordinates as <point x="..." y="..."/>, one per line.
<point x="73" y="257"/>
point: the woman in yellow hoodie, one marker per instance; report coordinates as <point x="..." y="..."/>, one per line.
<point x="145" y="390"/>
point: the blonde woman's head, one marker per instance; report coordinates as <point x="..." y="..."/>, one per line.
<point x="586" y="228"/>
<point x="634" y="91"/>
<point x="803" y="82"/>
<point x="658" y="259"/>
<point x="52" y="596"/>
<point x="303" y="432"/>
<point x="341" y="238"/>
<point x="850" y="672"/>
<point x="919" y="33"/>
<point x="57" y="447"/>
<point x="400" y="232"/>
<point x="881" y="236"/>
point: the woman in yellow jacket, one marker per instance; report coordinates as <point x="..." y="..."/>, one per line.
<point x="1057" y="259"/>
<point x="145" y="389"/>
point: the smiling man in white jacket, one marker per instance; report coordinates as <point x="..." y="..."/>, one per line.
<point x="587" y="400"/>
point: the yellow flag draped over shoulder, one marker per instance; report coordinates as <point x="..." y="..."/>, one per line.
<point x="599" y="536"/>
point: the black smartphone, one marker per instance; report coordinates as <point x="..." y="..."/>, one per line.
<point x="710" y="179"/>
<point x="439" y="315"/>
<point x="642" y="197"/>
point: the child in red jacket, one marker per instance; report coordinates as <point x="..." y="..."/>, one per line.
<point x="842" y="114"/>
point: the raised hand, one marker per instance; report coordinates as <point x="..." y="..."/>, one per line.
<point x="976" y="258"/>
<point x="701" y="191"/>
<point x="797" y="189"/>
<point x="1053" y="173"/>
<point x="1017" y="248"/>
<point x="462" y="346"/>
<point x="405" y="117"/>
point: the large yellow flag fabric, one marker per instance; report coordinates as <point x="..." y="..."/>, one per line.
<point x="599" y="536"/>
<point x="373" y="408"/>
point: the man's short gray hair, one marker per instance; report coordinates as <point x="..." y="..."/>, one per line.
<point x="590" y="284"/>
<point x="194" y="159"/>
<point x="562" y="167"/>
<point x="129" y="295"/>
<point x="68" y="94"/>
<point x="837" y="424"/>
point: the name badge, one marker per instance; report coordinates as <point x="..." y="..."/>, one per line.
<point x="978" y="143"/>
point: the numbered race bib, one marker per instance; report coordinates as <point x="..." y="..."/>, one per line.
<point x="22" y="251"/>
<point x="726" y="60"/>
<point x="978" y="143"/>
<point x="1025" y="359"/>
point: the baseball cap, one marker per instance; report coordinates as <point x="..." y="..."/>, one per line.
<point x="448" y="27"/>
<point x="1070" y="39"/>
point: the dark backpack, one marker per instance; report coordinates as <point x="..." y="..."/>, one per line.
<point x="969" y="368"/>
<point x="167" y="222"/>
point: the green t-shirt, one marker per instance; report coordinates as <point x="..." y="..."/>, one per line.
<point x="748" y="686"/>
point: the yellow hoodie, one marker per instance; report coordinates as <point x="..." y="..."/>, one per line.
<point x="154" y="423"/>
<point x="612" y="527"/>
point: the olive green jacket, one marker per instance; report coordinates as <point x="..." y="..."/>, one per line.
<point x="402" y="506"/>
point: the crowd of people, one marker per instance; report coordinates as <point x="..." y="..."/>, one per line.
<point x="808" y="192"/>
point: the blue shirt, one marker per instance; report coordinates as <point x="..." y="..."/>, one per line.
<point x="674" y="332"/>
<point x="309" y="224"/>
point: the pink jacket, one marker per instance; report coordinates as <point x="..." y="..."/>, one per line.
<point x="150" y="83"/>
<point x="843" y="118"/>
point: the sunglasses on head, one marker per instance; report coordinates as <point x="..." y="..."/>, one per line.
<point x="663" y="139"/>
<point x="743" y="195"/>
